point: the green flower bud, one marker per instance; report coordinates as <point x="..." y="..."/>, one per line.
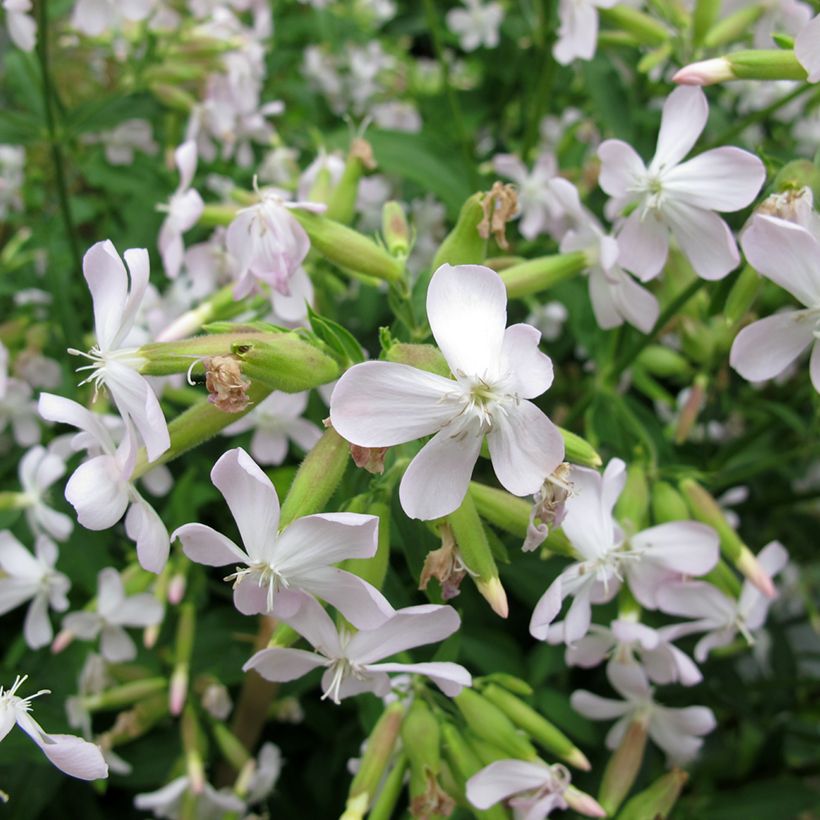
<point x="388" y="797"/>
<point x="668" y="504"/>
<point x="633" y="504"/>
<point x="579" y="450"/>
<point x="623" y="767"/>
<point x="642" y="27"/>
<point x="395" y="229"/>
<point x="173" y="96"/>
<point x="342" y="200"/>
<point x="509" y="682"/>
<point x="705" y="14"/>
<point x="658" y="800"/>
<point x="538" y="275"/>
<point x="490" y="723"/>
<point x="124" y="695"/>
<point x="733" y="27"/>
<point x="463" y="245"/>
<point x="663" y="362"/>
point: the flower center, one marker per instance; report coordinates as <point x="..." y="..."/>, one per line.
<point x="99" y="362"/>
<point x="266" y="576"/>
<point x="481" y="401"/>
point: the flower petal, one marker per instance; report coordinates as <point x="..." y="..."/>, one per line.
<point x="643" y="243"/>
<point x="451" y="678"/>
<point x="145" y="528"/>
<point x="504" y="778"/>
<point x="684" y="116"/>
<point x="807" y="49"/>
<point x="283" y="665"/>
<point x="704" y="237"/>
<point x="107" y="280"/>
<point x="621" y="168"/>
<point x="205" y="545"/>
<point x="530" y="369"/>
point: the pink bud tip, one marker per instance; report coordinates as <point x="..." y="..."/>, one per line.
<point x="149" y="636"/>
<point x="178" y="693"/>
<point x="706" y="72"/>
<point x="750" y="567"/>
<point x="583" y="803"/>
<point x="176" y="589"/>
<point x="63" y="639"/>
<point x="495" y="596"/>
<point x="578" y="760"/>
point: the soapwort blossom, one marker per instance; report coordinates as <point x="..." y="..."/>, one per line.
<point x="38" y="470"/>
<point x="476" y="24"/>
<point x="114" y="365"/>
<point x="26" y="577"/>
<point x="353" y="663"/>
<point x="645" y="560"/>
<point x="788" y="254"/>
<point x="679" y="197"/>
<point x="531" y="789"/>
<point x="93" y="17"/>
<point x="101" y="488"/>
<point x="496" y="370"/>
<point x="20" y="24"/>
<point x="578" y="29"/>
<point x="71" y="755"/>
<point x="678" y="732"/>
<point x="722" y="618"/>
<point x="280" y="567"/>
<point x="183" y="210"/>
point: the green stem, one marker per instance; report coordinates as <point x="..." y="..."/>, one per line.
<point x="60" y="283"/>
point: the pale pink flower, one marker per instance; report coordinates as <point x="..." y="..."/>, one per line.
<point x="282" y="566"/>
<point x="20" y="23"/>
<point x="72" y="755"/>
<point x="807" y="48"/>
<point x="26" y="577"/>
<point x="722" y="618"/>
<point x="276" y="421"/>
<point x="578" y="29"/>
<point x="18" y="410"/>
<point x="183" y="210"/>
<point x="676" y="731"/>
<point x="679" y="197"/>
<point x="497" y="371"/>
<point x="788" y="254"/>
<point x="645" y="560"/>
<point x="113" y="613"/>
<point x="353" y="662"/>
<point x="101" y="490"/>
<point x="476" y="24"/>
<point x="205" y="801"/>
<point x="38" y="470"/>
<point x="112" y="365"/>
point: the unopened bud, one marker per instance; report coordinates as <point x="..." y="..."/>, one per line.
<point x="645" y="29"/>
<point x="758" y="64"/>
<point x="490" y="723"/>
<point x="623" y="767"/>
<point x="373" y="570"/>
<point x="61" y="641"/>
<point x="463" y="245"/>
<point x="578" y="450"/>
<point x="385" y="804"/>
<point x="395" y="229"/>
<point x="658" y="800"/>
<point x="691" y="409"/>
<point x="632" y="507"/>
<point x="186" y="626"/>
<point x="173" y="97"/>
<point x="193" y="746"/>
<point x="176" y="588"/>
<point x="664" y="362"/>
<point x="742" y="295"/>
<point x="668" y="504"/>
<point x="541" y="274"/>
<point x="585" y="804"/>
<point x="734" y="26"/>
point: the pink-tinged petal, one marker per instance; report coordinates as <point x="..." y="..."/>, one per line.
<point x="814" y="366"/>
<point x="687" y="671"/>
<point x="752" y="604"/>
<point x="325" y="538"/>
<point x="767" y="347"/>
<point x="714" y="640"/>
<point x="108" y="282"/>
<point x="503" y="779"/>
<point x="136" y="400"/>
<point x="467" y="311"/>
<point x="590" y="650"/>
<point x="72" y="755"/>
<point x="37" y="629"/>
<point x="547" y="609"/>
<point x="807" y="49"/>
<point x="579" y="615"/>
<point x="437" y="479"/>
<point x="379" y="404"/>
<point x="451" y="678"/>
<point x="139" y="611"/>
<point x="282" y="665"/>
<point x="97" y="493"/>
<point x="269" y="448"/>
<point x="185" y="158"/>
<point x="696" y="599"/>
<point x="145" y="528"/>
<point x="705" y="239"/>
<point x="409" y="627"/>
<point x="511" y="167"/>
<point x="595" y="707"/>
<point x="635" y="632"/>
<point x="601" y="294"/>
<point x="252" y="499"/>
<point x="688" y="547"/>
<point x="313" y="623"/>
<point x="361" y="603"/>
<point x="293" y="306"/>
<point x="634" y="303"/>
<point x="644" y="245"/>
<point x="531" y="370"/>
<point x="787" y="254"/>
<point x="621" y="168"/>
<point x="116" y="645"/>
<point x="525" y="447"/>
<point x="723" y="179"/>
<point x="205" y="545"/>
<point x="683" y="119"/>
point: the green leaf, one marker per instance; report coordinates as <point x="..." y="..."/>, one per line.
<point x="340" y="340"/>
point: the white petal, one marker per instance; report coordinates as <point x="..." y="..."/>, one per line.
<point x="547" y="609"/>
<point x="98" y="493"/>
<point x="65" y="411"/>
<point x="379" y="404"/>
<point x="595" y="707"/>
<point x="766" y="348"/>
<point x="360" y="602"/>
<point x="72" y="755"/>
<point x="807" y="49"/>
<point x="314" y="624"/>
<point x="185" y="158"/>
<point x="530" y="368"/>
<point x="704" y="237"/>
<point x="116" y="645"/>
<point x="16" y="560"/>
<point x="621" y="168"/>
<point x="107" y="280"/>
<point x="269" y="448"/>
<point x="110" y="592"/>
<point x="467" y="311"/>
<point x="503" y="779"/>
<point x="205" y="545"/>
<point x="138" y="611"/>
<point x="696" y="599"/>
<point x="451" y="678"/>
<point x="282" y="665"/>
<point x="37" y="627"/>
<point x="643" y="244"/>
<point x="145" y="528"/>
<point x="685" y="112"/>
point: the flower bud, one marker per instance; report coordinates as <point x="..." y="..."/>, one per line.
<point x="348" y="249"/>
<point x="742" y="295"/>
<point x="463" y="245"/>
<point x="341" y="204"/>
<point x="490" y="723"/>
<point x="704" y="508"/>
<point x="668" y="504"/>
<point x="658" y="800"/>
<point x="385" y="804"/>
<point x="477" y="556"/>
<point x="136" y="722"/>
<point x="663" y="362"/>
<point x="124" y="695"/>
<point x="579" y="450"/>
<point x="537" y="275"/>
<point x="193" y="745"/>
<point x="645" y="29"/>
<point x="759" y="64"/>
<point x="623" y="767"/>
<point x="186" y="630"/>
<point x="703" y="18"/>
<point x="536" y="726"/>
<point x="633" y="504"/>
<point x="172" y="96"/>
<point x="216" y="305"/>
<point x="585" y="804"/>
<point x="733" y="27"/>
<point x="395" y="229"/>
<point x="509" y="682"/>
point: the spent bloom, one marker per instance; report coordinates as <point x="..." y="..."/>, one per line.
<point x="113" y="365"/>
<point x="26" y="577"/>
<point x="72" y="755"/>
<point x="114" y="611"/>
<point x="476" y="24"/>
<point x="353" y="662"/>
<point x="722" y="618"/>
<point x="645" y="560"/>
<point x="788" y="254"/>
<point x="679" y="197"/>
<point x="678" y="732"/>
<point x="496" y="370"/>
<point x="281" y="566"/>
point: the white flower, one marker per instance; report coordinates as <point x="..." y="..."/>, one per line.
<point x="807" y="48"/>
<point x="645" y="560"/>
<point x="676" y="196"/>
<point x="26" y="577"/>
<point x="497" y="370"/>
<point x="184" y="210"/>
<point x="72" y="755"/>
<point x="476" y="24"/>
<point x="20" y="23"/>
<point x="114" y="611"/>
<point x="275" y="421"/>
<point x="93" y="17"/>
<point x="352" y="662"/>
<point x="129" y="136"/>
<point x="578" y="29"/>
<point x="676" y="731"/>
<point x="17" y="409"/>
<point x="112" y="365"/>
<point x="101" y="490"/>
<point x="282" y="567"/>
<point x="532" y="789"/>
<point x="38" y="470"/>
<point x="208" y="804"/>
